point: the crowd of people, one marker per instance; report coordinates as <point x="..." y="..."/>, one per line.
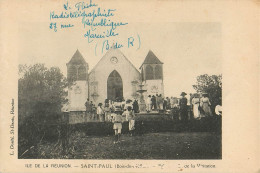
<point x="119" y="111"/>
<point x="196" y="107"/>
<point x="103" y="111"/>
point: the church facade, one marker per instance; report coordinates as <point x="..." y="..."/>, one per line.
<point x="114" y="76"/>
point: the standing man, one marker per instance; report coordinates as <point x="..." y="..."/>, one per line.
<point x="172" y="102"/>
<point x="100" y="112"/>
<point x="88" y="106"/>
<point x="107" y="110"/>
<point x="135" y="106"/>
<point x="156" y="102"/>
<point x="168" y="103"/>
<point x="153" y="107"/>
<point x="165" y="103"/>
<point x="160" y="102"/>
<point x="188" y="106"/>
<point x="183" y="107"/>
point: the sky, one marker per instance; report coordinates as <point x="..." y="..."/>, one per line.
<point x="187" y="49"/>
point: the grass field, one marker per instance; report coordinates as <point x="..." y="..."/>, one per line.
<point x="163" y="145"/>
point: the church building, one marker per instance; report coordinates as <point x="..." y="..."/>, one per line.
<point x="114" y="76"/>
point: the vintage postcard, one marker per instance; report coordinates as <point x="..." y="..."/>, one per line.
<point x="129" y="86"/>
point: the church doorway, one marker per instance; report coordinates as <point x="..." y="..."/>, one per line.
<point x="114" y="86"/>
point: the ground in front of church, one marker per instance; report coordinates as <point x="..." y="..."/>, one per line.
<point x="164" y="145"/>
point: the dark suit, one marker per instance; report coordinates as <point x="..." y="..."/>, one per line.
<point x="183" y="109"/>
<point x="154" y="106"/>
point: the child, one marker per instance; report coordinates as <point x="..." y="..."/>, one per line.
<point x="107" y="113"/>
<point x="100" y="112"/>
<point x="130" y="118"/>
<point x="117" y="120"/>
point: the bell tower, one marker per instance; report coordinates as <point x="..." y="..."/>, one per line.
<point x="77" y="75"/>
<point x="152" y="74"/>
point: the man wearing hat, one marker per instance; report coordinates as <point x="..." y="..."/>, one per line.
<point x="153" y="100"/>
<point x="183" y="107"/>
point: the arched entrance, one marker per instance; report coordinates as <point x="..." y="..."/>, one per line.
<point x="114" y="86"/>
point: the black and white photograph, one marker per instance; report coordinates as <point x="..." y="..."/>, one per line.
<point x="133" y="86"/>
<point x="117" y="89"/>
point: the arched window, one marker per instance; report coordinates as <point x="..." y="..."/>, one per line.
<point x="158" y="72"/>
<point x="149" y="72"/>
<point x="114" y="86"/>
<point x="82" y="73"/>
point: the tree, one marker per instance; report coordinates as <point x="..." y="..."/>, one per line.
<point x="41" y="94"/>
<point x="211" y="85"/>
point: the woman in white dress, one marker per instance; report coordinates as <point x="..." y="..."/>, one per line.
<point x="196" y="102"/>
<point x="205" y="104"/>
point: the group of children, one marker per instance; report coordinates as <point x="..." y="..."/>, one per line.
<point x="117" y="120"/>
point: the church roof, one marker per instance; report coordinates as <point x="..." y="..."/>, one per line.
<point x="116" y="51"/>
<point x="151" y="59"/>
<point x="77" y="58"/>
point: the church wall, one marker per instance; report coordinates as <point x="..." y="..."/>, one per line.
<point x="154" y="87"/>
<point x="78" y="95"/>
<point x="77" y="117"/>
<point x="99" y="75"/>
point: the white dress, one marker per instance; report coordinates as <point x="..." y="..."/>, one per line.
<point x="148" y="103"/>
<point x="196" y="112"/>
<point x="205" y="104"/>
